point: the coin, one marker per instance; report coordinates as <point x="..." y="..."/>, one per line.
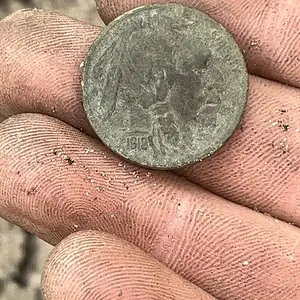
<point x="164" y="86"/>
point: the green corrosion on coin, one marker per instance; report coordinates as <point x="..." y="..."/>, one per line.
<point x="164" y="86"/>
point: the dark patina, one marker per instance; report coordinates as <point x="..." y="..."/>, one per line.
<point x="165" y="86"/>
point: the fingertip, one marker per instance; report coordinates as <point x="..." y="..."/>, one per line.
<point x="40" y="56"/>
<point x="92" y="265"/>
<point x="267" y="34"/>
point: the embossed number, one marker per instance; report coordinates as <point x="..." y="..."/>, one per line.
<point x="137" y="143"/>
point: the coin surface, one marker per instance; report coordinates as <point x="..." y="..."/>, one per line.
<point x="164" y="86"/>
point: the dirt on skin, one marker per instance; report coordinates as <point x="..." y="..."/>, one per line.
<point x="84" y="10"/>
<point x="22" y="255"/>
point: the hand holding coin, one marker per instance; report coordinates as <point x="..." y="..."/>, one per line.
<point x="224" y="228"/>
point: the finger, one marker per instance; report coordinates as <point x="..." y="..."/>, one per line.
<point x="93" y="265"/>
<point x="272" y="160"/>
<point x="40" y="57"/>
<point x="55" y="180"/>
<point x="260" y="166"/>
<point x="267" y="31"/>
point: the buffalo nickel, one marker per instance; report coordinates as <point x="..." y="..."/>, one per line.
<point x="164" y="86"/>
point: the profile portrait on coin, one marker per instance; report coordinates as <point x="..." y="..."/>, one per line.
<point x="164" y="86"/>
<point x="169" y="89"/>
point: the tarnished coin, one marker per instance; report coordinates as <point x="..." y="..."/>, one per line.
<point x="164" y="86"/>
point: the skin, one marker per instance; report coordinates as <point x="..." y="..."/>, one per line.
<point x="227" y="228"/>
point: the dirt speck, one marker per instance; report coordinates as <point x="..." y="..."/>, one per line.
<point x="69" y="160"/>
<point x="286" y="127"/>
<point x="32" y="191"/>
<point x="282" y="110"/>
<point x="245" y="263"/>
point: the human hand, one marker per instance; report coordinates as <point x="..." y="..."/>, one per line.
<point x="132" y="228"/>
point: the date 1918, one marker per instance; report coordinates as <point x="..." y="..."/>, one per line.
<point x="138" y="143"/>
